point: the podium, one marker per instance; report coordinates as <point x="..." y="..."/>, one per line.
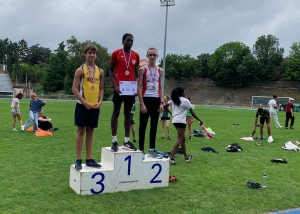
<point x="120" y="171"/>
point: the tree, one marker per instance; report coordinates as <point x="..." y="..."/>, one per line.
<point x="56" y="72"/>
<point x="181" y="66"/>
<point x="203" y="60"/>
<point x="293" y="63"/>
<point x="23" y="51"/>
<point x="228" y="65"/>
<point x="268" y="53"/>
<point x="38" y="54"/>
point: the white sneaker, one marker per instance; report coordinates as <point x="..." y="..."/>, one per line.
<point x="279" y="127"/>
<point x="270" y="139"/>
<point x="14" y="130"/>
<point x="22" y="128"/>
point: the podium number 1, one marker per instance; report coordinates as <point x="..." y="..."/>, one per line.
<point x="129" y="163"/>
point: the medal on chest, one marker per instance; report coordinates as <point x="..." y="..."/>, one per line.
<point x="127" y="61"/>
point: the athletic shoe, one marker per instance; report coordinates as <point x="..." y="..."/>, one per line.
<point x="92" y="163"/>
<point x="155" y="154"/>
<point x="14" y="130"/>
<point x="169" y="138"/>
<point x="52" y="129"/>
<point x="279" y="160"/>
<point x="259" y="144"/>
<point x="22" y="128"/>
<point x="114" y="146"/>
<point x="279" y="127"/>
<point x="286" y="127"/>
<point x="162" y="137"/>
<point x="261" y="138"/>
<point x="134" y="140"/>
<point x="190" y="137"/>
<point x="188" y="158"/>
<point x="129" y="146"/>
<point x="78" y="164"/>
<point x="291" y="127"/>
<point x="253" y="185"/>
<point x="55" y="128"/>
<point x="172" y="161"/>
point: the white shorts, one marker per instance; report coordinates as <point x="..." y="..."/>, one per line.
<point x="13" y="111"/>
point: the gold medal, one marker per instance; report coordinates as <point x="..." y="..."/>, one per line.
<point x="127" y="72"/>
<point x="153" y="87"/>
<point x="92" y="87"/>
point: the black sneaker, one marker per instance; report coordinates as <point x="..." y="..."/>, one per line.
<point x="172" y="161"/>
<point x="134" y="140"/>
<point x="114" y="146"/>
<point x="129" y="146"/>
<point x="291" y="127"/>
<point x="92" y="163"/>
<point x="190" y="137"/>
<point x="188" y="158"/>
<point x="78" y="163"/>
<point x="253" y="185"/>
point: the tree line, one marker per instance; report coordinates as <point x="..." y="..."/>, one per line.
<point x="232" y="64"/>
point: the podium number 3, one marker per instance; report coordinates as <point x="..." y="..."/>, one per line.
<point x="99" y="182"/>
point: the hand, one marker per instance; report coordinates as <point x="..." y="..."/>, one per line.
<point x="117" y="90"/>
<point x="143" y="108"/>
<point x="88" y="105"/>
<point x="98" y="105"/>
<point x="201" y="123"/>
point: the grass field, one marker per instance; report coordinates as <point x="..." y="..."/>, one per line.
<point x="35" y="170"/>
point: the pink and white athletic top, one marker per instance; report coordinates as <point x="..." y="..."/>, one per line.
<point x="151" y="82"/>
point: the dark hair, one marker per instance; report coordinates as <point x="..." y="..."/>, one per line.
<point x="189" y="98"/>
<point x="274" y="96"/>
<point x="176" y="93"/>
<point x="260" y="110"/>
<point x="125" y="35"/>
<point x="19" y="95"/>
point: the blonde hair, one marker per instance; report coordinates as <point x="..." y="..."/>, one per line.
<point x="33" y="95"/>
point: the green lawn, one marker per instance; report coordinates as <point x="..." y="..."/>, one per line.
<point x="35" y="170"/>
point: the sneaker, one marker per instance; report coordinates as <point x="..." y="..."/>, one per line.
<point x="114" y="146"/>
<point x="55" y="128"/>
<point x="190" y="137"/>
<point x="169" y="138"/>
<point x="22" y="128"/>
<point x="279" y="127"/>
<point x="162" y="137"/>
<point x="291" y="127"/>
<point x="129" y="146"/>
<point x="253" y="185"/>
<point x="78" y="164"/>
<point x="286" y="127"/>
<point x="259" y="144"/>
<point x="52" y="129"/>
<point x="261" y="138"/>
<point x="92" y="163"/>
<point x="188" y="158"/>
<point x="134" y="140"/>
<point x="279" y="160"/>
<point x="14" y="130"/>
<point x="155" y="154"/>
<point x="172" y="161"/>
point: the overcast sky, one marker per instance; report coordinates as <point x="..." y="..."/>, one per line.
<point x="194" y="26"/>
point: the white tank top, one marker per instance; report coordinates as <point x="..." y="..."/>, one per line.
<point x="151" y="82"/>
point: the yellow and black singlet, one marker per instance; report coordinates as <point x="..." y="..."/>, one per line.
<point x="90" y="84"/>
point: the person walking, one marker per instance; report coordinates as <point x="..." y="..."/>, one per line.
<point x="272" y="105"/>
<point x="289" y="114"/>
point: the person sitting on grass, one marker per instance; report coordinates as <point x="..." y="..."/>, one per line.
<point x="179" y="106"/>
<point x="45" y="122"/>
<point x="264" y="117"/>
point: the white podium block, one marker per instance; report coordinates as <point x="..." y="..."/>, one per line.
<point x="120" y="171"/>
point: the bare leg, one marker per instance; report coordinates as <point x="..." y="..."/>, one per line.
<point x="14" y="121"/>
<point x="79" y="141"/>
<point x="190" y="129"/>
<point x="163" y="128"/>
<point x="180" y="139"/>
<point x="133" y="130"/>
<point x="89" y="138"/>
<point x="20" y="119"/>
<point x="183" y="147"/>
<point x="168" y="127"/>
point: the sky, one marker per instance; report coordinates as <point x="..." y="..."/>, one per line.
<point x="193" y="27"/>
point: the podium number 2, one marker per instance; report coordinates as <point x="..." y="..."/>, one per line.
<point x="99" y="182"/>
<point x="159" y="171"/>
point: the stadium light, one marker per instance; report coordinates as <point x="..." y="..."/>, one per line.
<point x="165" y="3"/>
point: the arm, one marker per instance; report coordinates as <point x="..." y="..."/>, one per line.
<point x="139" y="90"/>
<point x="196" y="117"/>
<point x="77" y="76"/>
<point x="101" y="89"/>
<point x="16" y="107"/>
<point x="41" y="119"/>
<point x="112" y="77"/>
<point x="167" y="107"/>
<point x="161" y="108"/>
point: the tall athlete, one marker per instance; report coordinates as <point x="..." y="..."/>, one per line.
<point x="123" y="65"/>
<point x="151" y="99"/>
<point x="273" y="111"/>
<point x="89" y="79"/>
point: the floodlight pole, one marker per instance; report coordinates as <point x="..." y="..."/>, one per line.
<point x="165" y="3"/>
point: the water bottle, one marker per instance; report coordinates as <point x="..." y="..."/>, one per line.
<point x="264" y="180"/>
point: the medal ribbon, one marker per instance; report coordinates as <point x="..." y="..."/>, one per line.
<point x="127" y="62"/>
<point x="153" y="78"/>
<point x="90" y="74"/>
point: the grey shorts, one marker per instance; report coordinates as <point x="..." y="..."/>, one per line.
<point x="13" y="111"/>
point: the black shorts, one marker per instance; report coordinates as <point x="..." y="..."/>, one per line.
<point x="85" y="117"/>
<point x="132" y="122"/>
<point x="117" y="99"/>
<point x="180" y="125"/>
<point x="165" y="118"/>
<point x="263" y="119"/>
